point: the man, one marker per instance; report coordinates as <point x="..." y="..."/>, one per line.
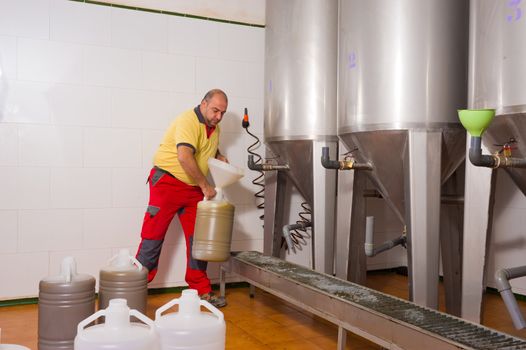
<point x="178" y="182"/>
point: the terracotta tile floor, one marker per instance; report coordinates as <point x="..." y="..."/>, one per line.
<point x="265" y="322"/>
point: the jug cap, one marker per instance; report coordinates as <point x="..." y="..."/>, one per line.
<point x="189" y="306"/>
<point x="117" y="313"/>
<point x="189" y="293"/>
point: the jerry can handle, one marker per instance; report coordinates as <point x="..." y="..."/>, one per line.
<point x="165" y="307"/>
<point x="132" y="258"/>
<point x="143" y="318"/>
<point x="133" y="312"/>
<point x="90" y="319"/>
<point x="212" y="309"/>
<point x="136" y="262"/>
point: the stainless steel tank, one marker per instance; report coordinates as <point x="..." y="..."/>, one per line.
<point x="498" y="74"/>
<point x="300" y="110"/>
<point x="497" y="79"/>
<point x="402" y="76"/>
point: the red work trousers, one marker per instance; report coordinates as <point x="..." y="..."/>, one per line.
<point x="170" y="196"/>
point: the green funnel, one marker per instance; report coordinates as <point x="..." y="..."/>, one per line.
<point x="476" y="121"/>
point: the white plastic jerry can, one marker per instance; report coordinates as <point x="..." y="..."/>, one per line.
<point x="117" y="333"/>
<point x="190" y="328"/>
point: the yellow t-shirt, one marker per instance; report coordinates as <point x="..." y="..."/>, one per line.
<point x="187" y="129"/>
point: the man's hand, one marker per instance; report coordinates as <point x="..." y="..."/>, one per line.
<point x="208" y="191"/>
<point x="222" y="158"/>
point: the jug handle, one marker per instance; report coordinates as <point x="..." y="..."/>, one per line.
<point x="165" y="307"/>
<point x="132" y="258"/>
<point x="90" y="319"/>
<point x="143" y="318"/>
<point x="133" y="312"/>
<point x="204" y="303"/>
<point x="136" y="262"/>
<point x="212" y="309"/>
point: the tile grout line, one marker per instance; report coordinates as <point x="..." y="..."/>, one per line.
<point x="170" y="13"/>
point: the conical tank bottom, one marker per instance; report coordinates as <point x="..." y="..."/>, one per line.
<point x="387" y="151"/>
<point x="298" y="155"/>
<point x="509" y="128"/>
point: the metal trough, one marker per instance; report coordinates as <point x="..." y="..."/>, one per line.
<point x="388" y="321"/>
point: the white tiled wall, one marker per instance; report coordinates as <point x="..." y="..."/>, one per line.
<point x="86" y="92"/>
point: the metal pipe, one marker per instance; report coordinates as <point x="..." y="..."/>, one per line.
<point x="286" y="232"/>
<point x="445" y="199"/>
<point x="370" y="249"/>
<point x="369" y="230"/>
<point x="502" y="278"/>
<point x="372" y="193"/>
<point x="475" y="154"/>
<point x="388" y="245"/>
<point x="452" y="199"/>
<point x="491" y="161"/>
<point x="341" y="164"/>
<point x="265" y="167"/>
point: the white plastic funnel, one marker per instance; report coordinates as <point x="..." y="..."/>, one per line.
<point x="223" y="173"/>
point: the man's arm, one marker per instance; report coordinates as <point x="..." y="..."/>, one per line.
<point x="185" y="155"/>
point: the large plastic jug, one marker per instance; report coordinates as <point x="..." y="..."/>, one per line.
<point x="125" y="278"/>
<point x="213" y="230"/>
<point x="215" y="218"/>
<point x="63" y="301"/>
<point x="190" y="328"/>
<point x="117" y="333"/>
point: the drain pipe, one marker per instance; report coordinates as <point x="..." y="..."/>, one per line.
<point x="491" y="161"/>
<point x="502" y="278"/>
<point x="286" y="232"/>
<point x="265" y="166"/>
<point x="342" y="164"/>
<point x="476" y="121"/>
<point x="370" y="249"/>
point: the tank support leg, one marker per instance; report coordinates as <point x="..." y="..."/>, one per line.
<point x="479" y="199"/>
<point x="342" y="338"/>
<point x="422" y="198"/>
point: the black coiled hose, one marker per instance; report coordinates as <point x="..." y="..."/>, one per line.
<point x="260" y="180"/>
<point x="300" y="236"/>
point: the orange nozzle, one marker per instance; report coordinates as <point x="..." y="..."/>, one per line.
<point x="245" y="122"/>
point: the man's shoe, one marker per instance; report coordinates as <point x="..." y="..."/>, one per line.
<point x="214" y="299"/>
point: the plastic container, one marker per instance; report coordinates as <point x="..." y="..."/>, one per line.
<point x="213" y="230"/>
<point x="125" y="278"/>
<point x="190" y="328"/>
<point x="12" y="347"/>
<point x="63" y="302"/>
<point x="215" y="218"/>
<point x="117" y="333"/>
